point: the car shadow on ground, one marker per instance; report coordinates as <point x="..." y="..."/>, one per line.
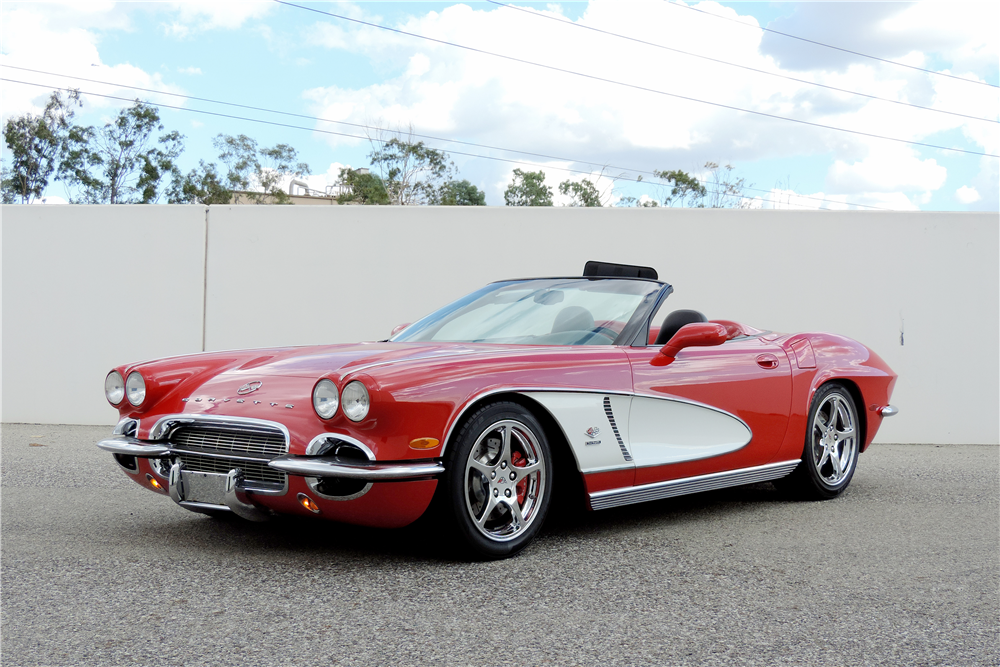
<point x="426" y="541"/>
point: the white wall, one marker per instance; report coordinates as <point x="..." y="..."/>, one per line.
<point x="299" y="275"/>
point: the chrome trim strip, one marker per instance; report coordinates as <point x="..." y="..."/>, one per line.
<point x="375" y="472"/>
<point x="677" y="487"/>
<point x="195" y="506"/>
<point x="132" y="447"/>
<point x="123" y="427"/>
<point x="161" y="429"/>
<point x="318" y="441"/>
<point x="888" y="411"/>
<point x="241" y="456"/>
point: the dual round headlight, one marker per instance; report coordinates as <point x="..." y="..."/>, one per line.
<point x="116" y="389"/>
<point x="354" y="402"/>
<point x="135" y="388"/>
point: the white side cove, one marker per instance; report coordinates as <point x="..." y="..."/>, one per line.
<point x="596" y="425"/>
<point x="666" y="431"/>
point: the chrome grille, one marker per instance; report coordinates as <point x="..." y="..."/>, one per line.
<point x="259" y="444"/>
<point x="214" y="448"/>
<point x="257" y="471"/>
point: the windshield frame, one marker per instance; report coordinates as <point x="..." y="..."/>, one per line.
<point x="637" y="325"/>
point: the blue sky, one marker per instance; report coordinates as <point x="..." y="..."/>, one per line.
<point x="291" y="60"/>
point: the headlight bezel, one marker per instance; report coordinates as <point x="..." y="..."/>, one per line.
<point x="326" y="383"/>
<point x="120" y="388"/>
<point x="348" y="402"/>
<point x="135" y="396"/>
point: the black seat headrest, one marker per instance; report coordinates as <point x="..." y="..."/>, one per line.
<point x="674" y="321"/>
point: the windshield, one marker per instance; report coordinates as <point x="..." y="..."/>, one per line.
<point x="552" y="311"/>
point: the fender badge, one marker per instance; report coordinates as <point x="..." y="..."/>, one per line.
<point x="249" y="387"/>
<point x="593" y="432"/>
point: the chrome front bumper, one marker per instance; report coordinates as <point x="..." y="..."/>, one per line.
<point x="304" y="466"/>
<point x="371" y="471"/>
<point x="123" y="444"/>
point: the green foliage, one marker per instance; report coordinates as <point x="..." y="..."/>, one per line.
<point x="685" y="189"/>
<point x="527" y="188"/>
<point x="411" y="172"/>
<point x="201" y="186"/>
<point x="37" y="145"/>
<point x="728" y="191"/>
<point x="584" y="193"/>
<point x="122" y="163"/>
<point x="460" y="193"/>
<point x="257" y="172"/>
<point x="629" y="200"/>
<point x="359" y="186"/>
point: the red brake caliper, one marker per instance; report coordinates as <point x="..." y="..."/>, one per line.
<point x="518" y="461"/>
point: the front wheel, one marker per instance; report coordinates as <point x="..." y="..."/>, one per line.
<point x="830" y="455"/>
<point x="499" y="480"/>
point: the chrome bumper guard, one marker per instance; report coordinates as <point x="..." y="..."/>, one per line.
<point x="368" y="471"/>
<point x="123" y="444"/>
<point x="237" y="497"/>
<point x="888" y="411"/>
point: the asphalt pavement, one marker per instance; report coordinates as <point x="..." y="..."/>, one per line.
<point x="903" y="569"/>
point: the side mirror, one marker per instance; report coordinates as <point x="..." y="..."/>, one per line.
<point x="398" y="328"/>
<point x="698" y="334"/>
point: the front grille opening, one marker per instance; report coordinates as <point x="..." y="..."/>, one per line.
<point x="253" y="471"/>
<point x="217" y="448"/>
<point x="130" y="463"/>
<point x="218" y="440"/>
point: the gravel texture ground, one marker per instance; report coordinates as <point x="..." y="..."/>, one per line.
<point x="903" y="569"/>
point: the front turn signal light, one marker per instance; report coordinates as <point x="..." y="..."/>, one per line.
<point x="308" y="503"/>
<point x="424" y="443"/>
<point x="156" y="485"/>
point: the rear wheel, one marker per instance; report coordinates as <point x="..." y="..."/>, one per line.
<point x="499" y="480"/>
<point x="830" y="455"/>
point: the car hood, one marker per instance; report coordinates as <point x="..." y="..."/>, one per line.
<point x="312" y="362"/>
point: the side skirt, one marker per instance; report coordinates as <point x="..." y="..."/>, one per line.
<point x="600" y="500"/>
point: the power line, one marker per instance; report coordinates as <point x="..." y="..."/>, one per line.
<point x="369" y="127"/>
<point x="830" y="46"/>
<point x="593" y="77"/>
<point x="731" y="64"/>
<point x="383" y="141"/>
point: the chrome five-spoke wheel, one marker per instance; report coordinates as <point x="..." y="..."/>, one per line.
<point x="832" y="443"/>
<point x="499" y="479"/>
<point x="505" y="473"/>
<point x="834" y="439"/>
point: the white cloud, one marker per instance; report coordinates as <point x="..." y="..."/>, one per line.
<point x="70" y="50"/>
<point x="967" y="195"/>
<point x="189" y="70"/>
<point x="445" y="91"/>
<point x="886" y="169"/>
<point x="194" y="16"/>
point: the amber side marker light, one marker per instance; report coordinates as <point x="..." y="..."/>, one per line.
<point x="424" y="443"/>
<point x="152" y="480"/>
<point x="308" y="503"/>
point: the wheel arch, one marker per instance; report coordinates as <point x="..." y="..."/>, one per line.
<point x="565" y="463"/>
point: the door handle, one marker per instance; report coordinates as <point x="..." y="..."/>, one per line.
<point x="767" y="361"/>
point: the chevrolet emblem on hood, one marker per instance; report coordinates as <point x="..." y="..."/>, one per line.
<point x="249" y="387"/>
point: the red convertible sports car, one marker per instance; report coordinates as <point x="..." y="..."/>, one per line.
<point x="485" y="409"/>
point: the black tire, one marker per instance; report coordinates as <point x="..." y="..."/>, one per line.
<point x="497" y="485"/>
<point x="831" y="448"/>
